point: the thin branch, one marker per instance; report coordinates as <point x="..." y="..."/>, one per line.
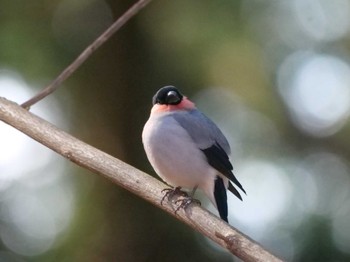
<point x="55" y="84"/>
<point x="131" y="179"/>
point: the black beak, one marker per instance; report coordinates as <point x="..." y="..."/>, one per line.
<point x="173" y="98"/>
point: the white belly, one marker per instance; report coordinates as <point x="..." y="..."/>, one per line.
<point x="174" y="155"/>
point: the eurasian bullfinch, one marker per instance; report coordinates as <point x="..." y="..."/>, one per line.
<point x="187" y="150"/>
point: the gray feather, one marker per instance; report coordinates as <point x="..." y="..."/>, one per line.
<point x="202" y="130"/>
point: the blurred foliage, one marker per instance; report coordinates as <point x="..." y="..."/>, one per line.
<point x="189" y="44"/>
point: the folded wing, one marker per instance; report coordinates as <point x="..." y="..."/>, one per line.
<point x="212" y="142"/>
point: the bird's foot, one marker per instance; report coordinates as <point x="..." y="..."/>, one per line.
<point x="171" y="192"/>
<point x="185" y="202"/>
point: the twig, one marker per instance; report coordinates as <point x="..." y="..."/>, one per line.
<point x="86" y="53"/>
<point x="131" y="179"/>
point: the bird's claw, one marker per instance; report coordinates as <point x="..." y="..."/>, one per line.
<point x="171" y="192"/>
<point x="185" y="202"/>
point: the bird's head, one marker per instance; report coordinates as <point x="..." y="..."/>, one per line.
<point x="167" y="95"/>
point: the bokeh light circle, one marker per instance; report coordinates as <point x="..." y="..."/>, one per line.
<point x="316" y="90"/>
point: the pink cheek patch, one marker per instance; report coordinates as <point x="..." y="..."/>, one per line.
<point x="184" y="105"/>
<point x="159" y="108"/>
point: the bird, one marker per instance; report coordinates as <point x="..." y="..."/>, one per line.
<point x="187" y="149"/>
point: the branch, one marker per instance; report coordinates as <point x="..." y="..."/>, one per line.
<point x="132" y="11"/>
<point x="131" y="179"/>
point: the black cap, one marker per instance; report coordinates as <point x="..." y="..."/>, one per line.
<point x="167" y="95"/>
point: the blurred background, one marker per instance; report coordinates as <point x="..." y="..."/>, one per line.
<point x="274" y="75"/>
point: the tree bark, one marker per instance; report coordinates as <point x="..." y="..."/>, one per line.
<point x="131" y="179"/>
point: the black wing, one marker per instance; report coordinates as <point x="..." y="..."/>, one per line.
<point x="218" y="159"/>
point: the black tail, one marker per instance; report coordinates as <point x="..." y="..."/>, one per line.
<point x="221" y="198"/>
